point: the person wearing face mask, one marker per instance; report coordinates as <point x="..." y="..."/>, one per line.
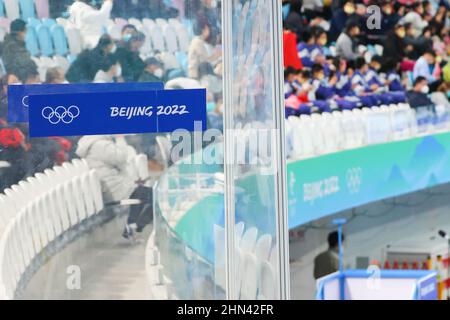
<point x="425" y="67"/>
<point x="415" y="18"/>
<point x="306" y="47"/>
<point x="153" y="71"/>
<point x="341" y="17"/>
<point x="129" y="57"/>
<point x="347" y="43"/>
<point x="126" y="34"/>
<point x="327" y="262"/>
<point x="418" y="96"/>
<point x="110" y="72"/>
<point x="394" y="46"/>
<point x="89" y="62"/>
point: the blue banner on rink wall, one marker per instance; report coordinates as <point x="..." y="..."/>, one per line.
<point x="331" y="183"/>
<point x="325" y="185"/>
<point x="74" y="114"/>
<point x="18" y="95"/>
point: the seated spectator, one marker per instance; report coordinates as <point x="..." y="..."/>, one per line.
<point x="394" y="46"/>
<point x="341" y="18"/>
<point x="323" y="88"/>
<point x="290" y="75"/>
<point x="428" y="67"/>
<point x="418" y="96"/>
<point x="414" y="17"/>
<point x="360" y="82"/>
<point x="199" y="49"/>
<point x="306" y="47"/>
<point x="55" y="76"/>
<point x="294" y="21"/>
<point x="393" y="78"/>
<point x="89" y="20"/>
<point x="111" y="72"/>
<point x="108" y="155"/>
<point x="373" y="76"/>
<point x="30" y="76"/>
<point x="15" y="55"/>
<point x="347" y="44"/>
<point x="129" y="58"/>
<point x="153" y="71"/>
<point x="127" y="32"/>
<point x="89" y="62"/>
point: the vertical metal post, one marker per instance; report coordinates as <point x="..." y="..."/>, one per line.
<point x="340" y="223"/>
<point x="281" y="180"/>
<point x="229" y="205"/>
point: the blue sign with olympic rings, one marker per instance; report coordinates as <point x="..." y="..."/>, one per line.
<point x="18" y="95"/>
<point x="75" y="114"/>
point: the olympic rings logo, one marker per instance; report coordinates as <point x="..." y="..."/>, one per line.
<point x="61" y="114"/>
<point x="25" y="101"/>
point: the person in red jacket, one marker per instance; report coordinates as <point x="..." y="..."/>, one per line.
<point x="13" y="150"/>
<point x="291" y="58"/>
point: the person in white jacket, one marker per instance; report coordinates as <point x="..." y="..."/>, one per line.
<point x="109" y="156"/>
<point x="90" y="21"/>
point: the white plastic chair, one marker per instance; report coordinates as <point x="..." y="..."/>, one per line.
<point x="183" y="37"/>
<point x="70" y="203"/>
<point x="96" y="190"/>
<point x="161" y="22"/>
<point x="40" y="215"/>
<point x="57" y="198"/>
<point x="12" y="9"/>
<point x="157" y="38"/>
<point x="74" y="39"/>
<point x="267" y="281"/>
<point x="135" y="22"/>
<point x="148" y="23"/>
<point x="249" y="284"/>
<point x="8" y="208"/>
<point x="170" y="38"/>
<point x="53" y="216"/>
<point x="263" y="247"/>
<point x="62" y="62"/>
<point x="248" y="241"/>
<point x="76" y="187"/>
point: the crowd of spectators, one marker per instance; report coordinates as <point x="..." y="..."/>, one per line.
<point x="350" y="54"/>
<point x="104" y="61"/>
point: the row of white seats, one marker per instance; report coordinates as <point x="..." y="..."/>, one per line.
<point x="255" y="263"/>
<point x="161" y="35"/>
<point x="20" y="195"/>
<point x="44" y="63"/>
<point x="39" y="210"/>
<point x="309" y="136"/>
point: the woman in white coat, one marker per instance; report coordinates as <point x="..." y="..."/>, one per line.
<point x="90" y="21"/>
<point x="109" y="155"/>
